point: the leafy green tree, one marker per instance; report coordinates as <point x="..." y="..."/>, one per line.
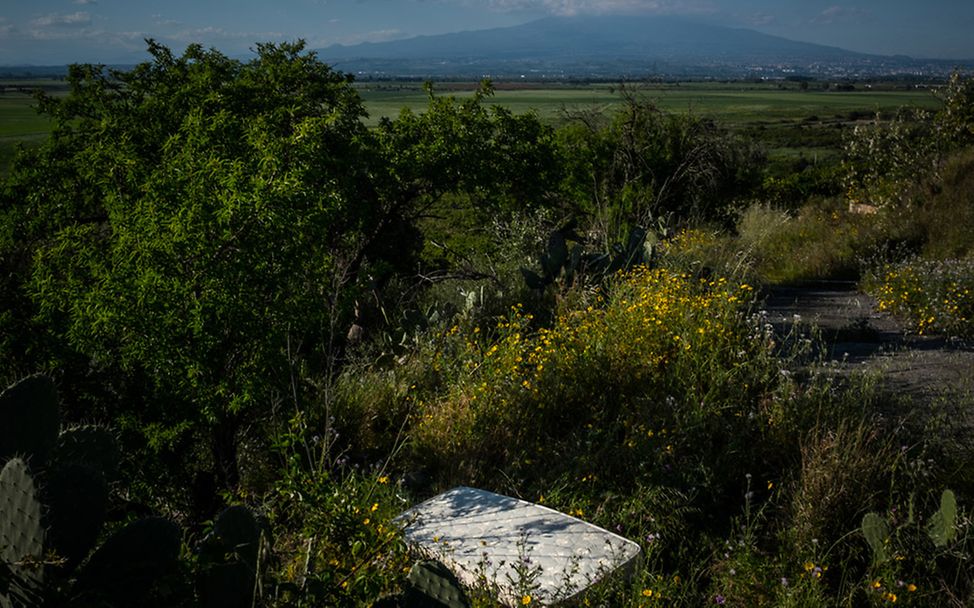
<point x="462" y="162"/>
<point x="955" y="120"/>
<point x="197" y="223"/>
<point x="196" y="230"/>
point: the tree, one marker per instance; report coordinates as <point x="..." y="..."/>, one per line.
<point x="197" y="229"/>
<point x="195" y="223"/>
<point x="642" y="165"/>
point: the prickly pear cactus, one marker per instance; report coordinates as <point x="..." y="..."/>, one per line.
<point x="876" y="531"/>
<point x="91" y="446"/>
<point x="432" y="585"/>
<point x="21" y="530"/>
<point x="942" y="526"/>
<point x="229" y="585"/>
<point x="239" y="531"/>
<point x="229" y="560"/>
<point x="29" y="411"/>
<point x="135" y="565"/>
<point x="77" y="500"/>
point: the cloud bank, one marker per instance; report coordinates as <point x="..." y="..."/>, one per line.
<point x="579" y="7"/>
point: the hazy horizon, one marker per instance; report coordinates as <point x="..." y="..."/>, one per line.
<point x="57" y="32"/>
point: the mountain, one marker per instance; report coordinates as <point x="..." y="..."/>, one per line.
<point x="608" y="45"/>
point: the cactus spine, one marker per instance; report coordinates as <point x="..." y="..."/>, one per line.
<point x="21" y="530"/>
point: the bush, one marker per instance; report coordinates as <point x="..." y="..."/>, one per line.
<point x="933" y="296"/>
<point x="947" y="214"/>
<point x="824" y="241"/>
<point x="650" y="369"/>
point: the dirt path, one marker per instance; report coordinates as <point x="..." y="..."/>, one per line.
<point x="856" y="336"/>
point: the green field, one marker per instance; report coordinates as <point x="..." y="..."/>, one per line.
<point x="779" y="117"/>
<point x="19" y="123"/>
<point x="732" y="104"/>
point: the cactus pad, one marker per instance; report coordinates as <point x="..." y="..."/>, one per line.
<point x="432" y="585"/>
<point x="942" y="526"/>
<point x="133" y="566"/>
<point x="89" y="445"/>
<point x="29" y="410"/>
<point x="226" y="586"/>
<point x="21" y="530"/>
<point x="228" y="559"/>
<point x="239" y="531"/>
<point x="876" y="531"/>
<point x="77" y="499"/>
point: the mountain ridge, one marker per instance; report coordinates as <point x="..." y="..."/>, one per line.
<point x="623" y="43"/>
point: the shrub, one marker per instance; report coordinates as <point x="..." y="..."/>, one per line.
<point x="947" y="215"/>
<point x="933" y="296"/>
<point x="824" y="241"/>
<point x="652" y="379"/>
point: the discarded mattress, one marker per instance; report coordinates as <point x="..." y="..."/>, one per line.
<point x="515" y="547"/>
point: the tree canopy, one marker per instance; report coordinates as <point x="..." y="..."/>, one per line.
<point x="203" y="224"/>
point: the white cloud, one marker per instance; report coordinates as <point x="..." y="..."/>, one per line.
<point x="577" y="7"/>
<point x="161" y="20"/>
<point x="85" y="2"/>
<point x="211" y="34"/>
<point x="760" y="19"/>
<point x="79" y="19"/>
<point x="835" y="14"/>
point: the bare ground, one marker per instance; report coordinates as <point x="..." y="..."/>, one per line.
<point x="855" y="336"/>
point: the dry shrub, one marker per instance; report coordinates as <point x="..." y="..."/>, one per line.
<point x="844" y="471"/>
<point x="824" y="241"/>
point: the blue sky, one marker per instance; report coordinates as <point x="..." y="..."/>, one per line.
<point x="45" y="32"/>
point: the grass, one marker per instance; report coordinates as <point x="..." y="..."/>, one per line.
<point x="732" y="104"/>
<point x="19" y="124"/>
<point x="778" y="116"/>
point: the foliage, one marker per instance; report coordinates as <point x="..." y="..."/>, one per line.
<point x="521" y="391"/>
<point x="189" y="248"/>
<point x="933" y="296"/>
<point x="191" y="205"/>
<point x="884" y="157"/>
<point x="824" y="240"/>
<point x="198" y="229"/>
<point x="945" y="219"/>
<point x="645" y="165"/>
<point x="504" y="162"/>
<point x="338" y="542"/>
<point x="955" y="120"/>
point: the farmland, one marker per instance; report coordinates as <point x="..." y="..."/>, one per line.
<point x="786" y="118"/>
<point x="730" y="103"/>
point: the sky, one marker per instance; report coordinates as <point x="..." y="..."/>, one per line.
<point x="56" y="32"/>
